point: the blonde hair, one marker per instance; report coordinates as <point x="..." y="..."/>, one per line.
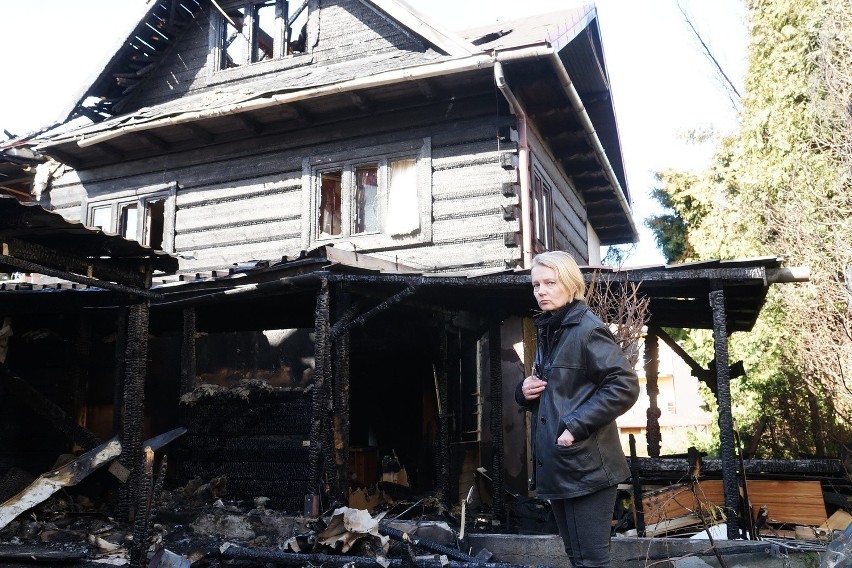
<point x="566" y="269"/>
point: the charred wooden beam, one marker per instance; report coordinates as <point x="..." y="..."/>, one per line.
<point x="652" y="366"/>
<point x="319" y="405"/>
<point x="341" y="397"/>
<point x="726" y="420"/>
<point x="27" y="266"/>
<point x="342" y="327"/>
<point x="95" y="270"/>
<point x="25" y="555"/>
<point x="64" y="157"/>
<point x="143" y="502"/>
<point x="133" y="411"/>
<point x="679" y="467"/>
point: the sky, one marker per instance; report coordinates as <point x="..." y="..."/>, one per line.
<point x="663" y="85"/>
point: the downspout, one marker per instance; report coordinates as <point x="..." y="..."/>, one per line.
<point x="592" y="135"/>
<point x="524" y="163"/>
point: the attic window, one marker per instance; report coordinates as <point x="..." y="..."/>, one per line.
<point x="251" y="31"/>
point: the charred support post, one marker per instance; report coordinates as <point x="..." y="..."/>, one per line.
<point x="726" y="421"/>
<point x="187" y="352"/>
<point x="652" y="366"/>
<point x="341" y="400"/>
<point x="443" y="451"/>
<point x="637" y="488"/>
<point x="134" y="407"/>
<point x="496" y="368"/>
<point x="319" y="403"/>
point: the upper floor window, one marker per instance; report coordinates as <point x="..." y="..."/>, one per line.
<point x="250" y="31"/>
<point x="541" y="198"/>
<point x="377" y="197"/>
<point x="146" y="216"/>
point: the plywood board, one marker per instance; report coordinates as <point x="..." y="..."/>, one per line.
<point x="798" y="502"/>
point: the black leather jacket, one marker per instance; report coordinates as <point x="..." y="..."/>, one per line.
<point x="589" y="384"/>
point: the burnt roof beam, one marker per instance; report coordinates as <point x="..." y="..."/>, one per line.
<point x="28" y="266"/>
<point x="69" y="264"/>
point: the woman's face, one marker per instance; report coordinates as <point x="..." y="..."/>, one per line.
<point x="549" y="291"/>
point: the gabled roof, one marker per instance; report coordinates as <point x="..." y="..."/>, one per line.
<point x="554" y="64"/>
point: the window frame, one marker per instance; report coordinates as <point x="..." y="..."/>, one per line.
<point x="141" y="198"/>
<point x="282" y="35"/>
<point x="541" y="209"/>
<point x="346" y="162"/>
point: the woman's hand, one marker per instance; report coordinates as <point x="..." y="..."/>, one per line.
<point x="533" y="387"/>
<point x="565" y="439"/>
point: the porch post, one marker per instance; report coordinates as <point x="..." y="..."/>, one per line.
<point x="726" y="421"/>
<point x="652" y="367"/>
<point x="133" y="416"/>
<point x="341" y="400"/>
<point x="319" y="401"/>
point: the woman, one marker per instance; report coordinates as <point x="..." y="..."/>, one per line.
<point x="581" y="383"/>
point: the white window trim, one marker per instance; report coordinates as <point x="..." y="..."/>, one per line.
<point x="141" y="197"/>
<point x="312" y="167"/>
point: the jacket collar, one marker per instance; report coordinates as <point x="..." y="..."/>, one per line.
<point x="576" y="310"/>
<point x="571" y="314"/>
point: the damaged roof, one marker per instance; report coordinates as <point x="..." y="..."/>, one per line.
<point x="28" y="226"/>
<point x="678" y="294"/>
<point x="537" y="53"/>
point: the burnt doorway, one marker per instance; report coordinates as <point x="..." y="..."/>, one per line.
<point x="393" y="404"/>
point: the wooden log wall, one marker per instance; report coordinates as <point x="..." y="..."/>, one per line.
<point x="243" y="200"/>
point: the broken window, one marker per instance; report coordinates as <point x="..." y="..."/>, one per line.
<point x="142" y="217"/>
<point x="366" y="199"/>
<point x="330" y="212"/>
<point x="362" y="190"/>
<point x="250" y="31"/>
<point x="542" y="211"/>
<point x="378" y="196"/>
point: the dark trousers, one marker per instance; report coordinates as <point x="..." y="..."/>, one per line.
<point x="584" y="524"/>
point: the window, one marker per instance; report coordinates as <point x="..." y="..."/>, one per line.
<point x="541" y="199"/>
<point x="250" y="31"/>
<point x="144" y="216"/>
<point x="378" y="197"/>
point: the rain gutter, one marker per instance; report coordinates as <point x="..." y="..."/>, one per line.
<point x="523" y="159"/>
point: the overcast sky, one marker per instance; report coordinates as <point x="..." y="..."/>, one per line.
<point x="662" y="83"/>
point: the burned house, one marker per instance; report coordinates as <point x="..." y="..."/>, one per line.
<point x="229" y="131"/>
<point x="352" y="196"/>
